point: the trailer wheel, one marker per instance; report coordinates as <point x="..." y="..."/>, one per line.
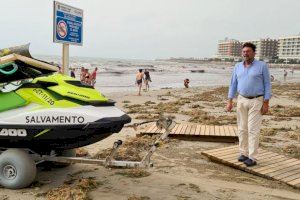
<point x="17" y="169"/>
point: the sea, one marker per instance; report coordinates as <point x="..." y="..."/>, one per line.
<point x="118" y="75"/>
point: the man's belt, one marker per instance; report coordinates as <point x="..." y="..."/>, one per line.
<point x="252" y="97"/>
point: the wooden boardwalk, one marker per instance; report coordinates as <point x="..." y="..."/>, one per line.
<point x="197" y="131"/>
<point x="270" y="165"/>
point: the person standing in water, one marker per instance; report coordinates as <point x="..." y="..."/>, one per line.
<point x="139" y="80"/>
<point x="285" y="75"/>
<point x="147" y="79"/>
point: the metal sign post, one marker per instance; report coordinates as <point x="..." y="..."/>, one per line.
<point x="67" y="29"/>
<point x="65" y="59"/>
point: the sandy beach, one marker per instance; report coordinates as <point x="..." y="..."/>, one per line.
<point x="180" y="171"/>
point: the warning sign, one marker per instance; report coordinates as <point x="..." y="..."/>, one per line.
<point x="62" y="29"/>
<point x="68" y="23"/>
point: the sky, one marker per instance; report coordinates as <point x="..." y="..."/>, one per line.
<point x="149" y="29"/>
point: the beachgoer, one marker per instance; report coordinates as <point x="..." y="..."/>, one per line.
<point x="272" y="78"/>
<point x="285" y="73"/>
<point x="82" y="74"/>
<point x="139" y="80"/>
<point x="72" y="73"/>
<point x="93" y="77"/>
<point x="87" y="79"/>
<point x="292" y="71"/>
<point x="251" y="79"/>
<point x="147" y="79"/>
<point x="60" y="71"/>
<point x="186" y="83"/>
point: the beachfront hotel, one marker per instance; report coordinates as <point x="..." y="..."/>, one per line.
<point x="229" y="49"/>
<point x="284" y="48"/>
<point x="266" y="49"/>
<point x="289" y="47"/>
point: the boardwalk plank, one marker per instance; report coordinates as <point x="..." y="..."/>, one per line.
<point x="212" y="130"/>
<point x="179" y="129"/>
<point x="203" y="132"/>
<point x="198" y="130"/>
<point x="222" y="131"/>
<point x="182" y="132"/>
<point x="152" y="127"/>
<point x="193" y="130"/>
<point x="188" y="130"/>
<point x="207" y="129"/>
<point x="270" y="165"/>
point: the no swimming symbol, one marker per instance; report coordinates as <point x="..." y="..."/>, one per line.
<point x="62" y="29"/>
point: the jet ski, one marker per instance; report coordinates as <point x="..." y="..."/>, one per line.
<point x="45" y="113"/>
<point x="42" y="110"/>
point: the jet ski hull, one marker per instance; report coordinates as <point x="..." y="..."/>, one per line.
<point x="44" y="138"/>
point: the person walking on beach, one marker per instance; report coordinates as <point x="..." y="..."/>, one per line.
<point x="94" y="76"/>
<point x="72" y="73"/>
<point x="251" y="79"/>
<point x="139" y="80"/>
<point x="285" y="75"/>
<point x="147" y="79"/>
<point x="82" y="74"/>
<point x="87" y="79"/>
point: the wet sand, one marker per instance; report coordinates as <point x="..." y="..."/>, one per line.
<point x="180" y="171"/>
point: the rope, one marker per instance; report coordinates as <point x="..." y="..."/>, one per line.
<point x="15" y="68"/>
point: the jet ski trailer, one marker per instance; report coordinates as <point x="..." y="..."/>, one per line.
<point x="18" y="166"/>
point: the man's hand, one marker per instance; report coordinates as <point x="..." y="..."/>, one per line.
<point x="265" y="107"/>
<point x="229" y="105"/>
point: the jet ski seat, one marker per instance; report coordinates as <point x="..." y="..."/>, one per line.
<point x="10" y="100"/>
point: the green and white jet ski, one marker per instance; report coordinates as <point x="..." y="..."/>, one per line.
<point x="44" y="113"/>
<point x="51" y="111"/>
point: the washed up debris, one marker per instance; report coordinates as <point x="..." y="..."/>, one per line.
<point x="268" y="131"/>
<point x="292" y="150"/>
<point x="284" y="111"/>
<point x="203" y="117"/>
<point x="147" y="116"/>
<point x="77" y="191"/>
<point x="81" y="152"/>
<point x="134" y="173"/>
<point x="131" y="149"/>
<point x="147" y="103"/>
<point x="198" y="71"/>
<point x="294" y="134"/>
<point x="134" y="197"/>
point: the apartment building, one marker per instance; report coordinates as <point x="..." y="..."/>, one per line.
<point x="229" y="48"/>
<point x="289" y="48"/>
<point x="266" y="49"/>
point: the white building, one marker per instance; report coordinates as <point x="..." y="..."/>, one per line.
<point x="289" y="48"/>
<point x="266" y="49"/>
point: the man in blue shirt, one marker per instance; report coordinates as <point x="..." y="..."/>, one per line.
<point x="251" y="80"/>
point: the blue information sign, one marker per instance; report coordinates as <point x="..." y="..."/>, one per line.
<point x="67" y="26"/>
